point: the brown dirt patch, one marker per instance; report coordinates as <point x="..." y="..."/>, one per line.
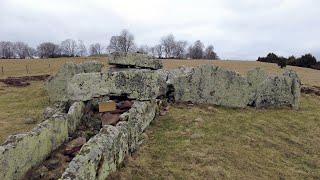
<point x="23" y="81"/>
<point x="314" y="90"/>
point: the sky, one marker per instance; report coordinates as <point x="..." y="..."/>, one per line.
<point x="238" y="29"/>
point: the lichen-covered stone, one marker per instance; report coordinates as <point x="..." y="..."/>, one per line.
<point x="135" y="60"/>
<point x="23" y="151"/>
<point x="212" y="85"/>
<point x="255" y="77"/>
<point x="75" y="114"/>
<point x="91" y="66"/>
<point x="279" y="91"/>
<point x="169" y="75"/>
<point x="136" y="84"/>
<point x="102" y="154"/>
<point x="57" y="84"/>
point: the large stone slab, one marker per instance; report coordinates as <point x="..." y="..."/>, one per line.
<point x="212" y="85"/>
<point x="278" y="91"/>
<point x="57" y="84"/>
<point x="135" y="60"/>
<point x="136" y="84"/>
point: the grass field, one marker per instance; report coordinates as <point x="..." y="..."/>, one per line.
<point x="192" y="142"/>
<point x="223" y="143"/>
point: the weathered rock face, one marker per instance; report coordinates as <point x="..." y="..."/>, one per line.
<point x="57" y="84"/>
<point x="169" y="75"/>
<point x="136" y="84"/>
<point x="103" y="153"/>
<point x="212" y="85"/>
<point x="255" y="77"/>
<point x="23" y="151"/>
<point x="135" y="60"/>
<point x="279" y="91"/>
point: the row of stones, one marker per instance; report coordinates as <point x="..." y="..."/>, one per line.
<point x="103" y="153"/>
<point x="215" y="85"/>
<point x="23" y="151"/>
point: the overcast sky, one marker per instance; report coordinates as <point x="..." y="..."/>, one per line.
<point x="238" y="29"/>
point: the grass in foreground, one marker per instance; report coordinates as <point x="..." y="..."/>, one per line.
<point x="19" y="103"/>
<point x="197" y="143"/>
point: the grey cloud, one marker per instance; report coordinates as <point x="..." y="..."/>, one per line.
<point x="238" y="29"/>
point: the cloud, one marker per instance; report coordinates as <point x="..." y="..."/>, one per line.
<point x="238" y="29"/>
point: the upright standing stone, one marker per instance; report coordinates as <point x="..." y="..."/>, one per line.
<point x="212" y="85"/>
<point x="57" y="84"/>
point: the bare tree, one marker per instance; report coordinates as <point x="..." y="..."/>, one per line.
<point x="6" y="50"/>
<point x="180" y="49"/>
<point x="152" y="51"/>
<point x="159" y="50"/>
<point x="95" y="49"/>
<point x="210" y="54"/>
<point x="81" y="49"/>
<point x="168" y="44"/>
<point x="144" y="49"/>
<point x="123" y="43"/>
<point x="48" y="50"/>
<point x="68" y="47"/>
<point x="196" y="51"/>
<point x="22" y="50"/>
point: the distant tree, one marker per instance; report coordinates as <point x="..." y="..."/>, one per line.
<point x="210" y="54"/>
<point x="291" y="60"/>
<point x="68" y="47"/>
<point x="168" y="44"/>
<point x="159" y="50"/>
<point x="123" y="43"/>
<point x="152" y="51"/>
<point x="23" y="50"/>
<point x="48" y="50"/>
<point x="282" y="62"/>
<point x="196" y="51"/>
<point x="6" y="50"/>
<point x="179" y="50"/>
<point x="307" y="60"/>
<point x="144" y="49"/>
<point x="95" y="49"/>
<point x="81" y="49"/>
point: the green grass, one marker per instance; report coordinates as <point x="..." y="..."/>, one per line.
<point x="18" y="103"/>
<point x="230" y="144"/>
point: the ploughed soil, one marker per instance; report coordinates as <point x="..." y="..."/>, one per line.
<point x="313" y="90"/>
<point x="23" y="81"/>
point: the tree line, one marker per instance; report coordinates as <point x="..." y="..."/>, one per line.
<point x="307" y="61"/>
<point x="168" y="47"/>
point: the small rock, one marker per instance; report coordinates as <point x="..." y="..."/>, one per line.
<point x="119" y="111"/>
<point x="198" y="120"/>
<point x="52" y="164"/>
<point x="40" y="172"/>
<point x="210" y="108"/>
<point x="29" y="120"/>
<point x="145" y="136"/>
<point x="74" y="146"/>
<point x="109" y="119"/>
<point x="125" y="104"/>
<point x="162" y="113"/>
<point x="49" y="112"/>
<point x="124" y="117"/>
<point x="62" y="158"/>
